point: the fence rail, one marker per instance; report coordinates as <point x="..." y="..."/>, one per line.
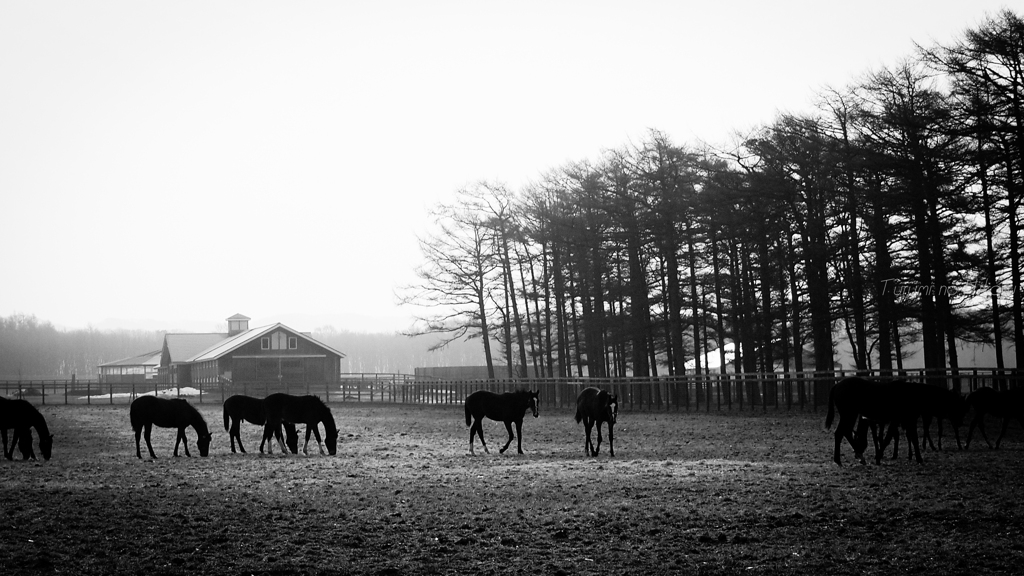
<point x="706" y="392"/>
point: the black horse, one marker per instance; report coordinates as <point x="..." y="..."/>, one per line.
<point x="309" y="410"/>
<point x="149" y="411"/>
<point x="864" y="403"/>
<point x="941" y="404"/>
<point x="1007" y="404"/>
<point x="595" y="406"/>
<point x="508" y="408"/>
<point x="238" y="408"/>
<point x="22" y="416"/>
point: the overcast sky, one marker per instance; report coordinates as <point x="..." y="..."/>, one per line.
<point x="168" y="164"/>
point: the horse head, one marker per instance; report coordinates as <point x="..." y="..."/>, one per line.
<point x="535" y="402"/>
<point x="612" y="408"/>
<point x="46" y="445"/>
<point x="331" y="440"/>
<point x="204" y="444"/>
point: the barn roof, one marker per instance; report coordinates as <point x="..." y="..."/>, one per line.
<point x="181" y="347"/>
<point x="147" y="359"/>
<point x="228" y="345"/>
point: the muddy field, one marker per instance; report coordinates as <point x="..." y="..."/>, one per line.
<point x="686" y="493"/>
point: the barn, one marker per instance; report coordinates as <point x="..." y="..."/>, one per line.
<point x="141" y="367"/>
<point x="268" y="354"/>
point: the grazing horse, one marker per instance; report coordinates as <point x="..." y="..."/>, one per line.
<point x="149" y="411"/>
<point x="595" y="406"/>
<point x="867" y="402"/>
<point x="22" y="416"/>
<point x="941" y="404"/>
<point x="238" y="408"/>
<point x="508" y="408"/>
<point x="309" y="410"/>
<point x="1007" y="404"/>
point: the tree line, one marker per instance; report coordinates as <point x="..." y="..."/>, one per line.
<point x="888" y="215"/>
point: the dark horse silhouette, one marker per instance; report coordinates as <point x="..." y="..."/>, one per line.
<point x="941" y="404"/>
<point x="309" y="410"/>
<point x="238" y="408"/>
<point x="22" y="416"/>
<point x="1007" y="404"/>
<point x="862" y="403"/>
<point x="595" y="406"/>
<point x="149" y="411"/>
<point x="932" y="402"/>
<point x="508" y="408"/>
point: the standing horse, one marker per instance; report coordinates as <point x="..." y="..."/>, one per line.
<point x="866" y="403"/>
<point x="1007" y="404"/>
<point x="149" y="411"/>
<point x="22" y="416"/>
<point x="595" y="406"/>
<point x="238" y="408"/>
<point x="508" y="408"/>
<point x="309" y="410"/>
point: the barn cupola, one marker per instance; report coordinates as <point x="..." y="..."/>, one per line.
<point x="238" y="324"/>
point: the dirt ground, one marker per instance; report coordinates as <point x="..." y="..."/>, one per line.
<point x="687" y="493"/>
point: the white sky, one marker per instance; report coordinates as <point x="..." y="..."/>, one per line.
<point x="168" y="164"/>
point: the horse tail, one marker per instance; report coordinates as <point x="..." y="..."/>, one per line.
<point x="831" y="408"/>
<point x="134" y="417"/>
<point x="469" y="415"/>
<point x="579" y="414"/>
<point x="227" y="420"/>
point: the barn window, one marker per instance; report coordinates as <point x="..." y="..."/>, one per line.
<point x="293" y="343"/>
<point x="265" y="343"/>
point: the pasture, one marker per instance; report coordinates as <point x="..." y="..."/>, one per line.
<point x="687" y="493"/>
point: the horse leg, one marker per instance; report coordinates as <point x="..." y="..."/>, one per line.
<point x="858" y="440"/>
<point x="893" y="432"/>
<point x="316" y="434"/>
<point x="14" y="442"/>
<point x="268" y="438"/>
<point x="913" y="447"/>
<point x="508" y="427"/>
<point x="279" y="435"/>
<point x="181" y="438"/>
<point x="598" y="448"/>
<point x="611" y="444"/>
<point x="3" y="434"/>
<point x="1006" y="424"/>
<point x="588" y="425"/>
<point x="478" y="429"/>
<point x="23" y="437"/>
<point x="519" y="435"/>
<point x="926" y="424"/>
<point x="149" y="443"/>
<point x="236" y="432"/>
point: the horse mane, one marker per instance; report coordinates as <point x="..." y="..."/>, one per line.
<point x="197" y="417"/>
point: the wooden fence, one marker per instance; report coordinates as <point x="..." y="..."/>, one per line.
<point x="705" y="392"/>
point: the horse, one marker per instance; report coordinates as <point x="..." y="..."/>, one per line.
<point x="933" y="402"/>
<point x="238" y="408"/>
<point x="941" y="404"/>
<point x="309" y="410"/>
<point x="863" y="402"/>
<point x="508" y="408"/>
<point x="594" y="406"/>
<point x="22" y="416"/>
<point x="1007" y="404"/>
<point x="149" y="411"/>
